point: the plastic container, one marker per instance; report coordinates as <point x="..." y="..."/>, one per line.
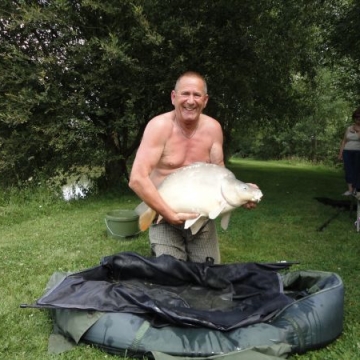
<point x="122" y="223"/>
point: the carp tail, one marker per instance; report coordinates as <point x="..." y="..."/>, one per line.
<point x="146" y="216"/>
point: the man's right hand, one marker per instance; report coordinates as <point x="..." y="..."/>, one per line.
<point x="179" y="218"/>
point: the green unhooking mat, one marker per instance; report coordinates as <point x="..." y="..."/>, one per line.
<point x="134" y="306"/>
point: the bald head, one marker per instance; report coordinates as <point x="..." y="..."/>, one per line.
<point x="192" y="74"/>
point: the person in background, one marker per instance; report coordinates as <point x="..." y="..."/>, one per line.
<point x="170" y="141"/>
<point x="350" y="155"/>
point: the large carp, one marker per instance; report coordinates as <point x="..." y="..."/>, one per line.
<point x="206" y="189"/>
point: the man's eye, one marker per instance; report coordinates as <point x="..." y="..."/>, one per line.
<point x="196" y="96"/>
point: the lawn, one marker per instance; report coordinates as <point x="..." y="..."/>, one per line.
<point x="41" y="234"/>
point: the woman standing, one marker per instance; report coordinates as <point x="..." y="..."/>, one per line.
<point x="350" y="154"/>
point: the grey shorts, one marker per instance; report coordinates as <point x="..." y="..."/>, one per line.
<point x="178" y="242"/>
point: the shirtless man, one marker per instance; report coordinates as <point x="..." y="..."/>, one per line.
<point x="170" y="141"/>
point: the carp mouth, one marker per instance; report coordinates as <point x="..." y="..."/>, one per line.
<point x="237" y="193"/>
<point x="257" y="197"/>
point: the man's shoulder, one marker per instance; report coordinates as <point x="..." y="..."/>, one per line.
<point x="163" y="117"/>
<point x="159" y="126"/>
<point x="210" y="121"/>
<point x="161" y="121"/>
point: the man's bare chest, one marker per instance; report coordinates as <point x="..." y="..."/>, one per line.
<point x="180" y="152"/>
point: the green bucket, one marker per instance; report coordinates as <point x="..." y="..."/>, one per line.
<point x="122" y="223"/>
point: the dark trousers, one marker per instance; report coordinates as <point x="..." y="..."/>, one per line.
<point x="351" y="160"/>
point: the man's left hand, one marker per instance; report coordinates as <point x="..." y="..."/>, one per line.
<point x="250" y="205"/>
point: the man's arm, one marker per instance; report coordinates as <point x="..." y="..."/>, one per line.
<point x="216" y="152"/>
<point x="147" y="158"/>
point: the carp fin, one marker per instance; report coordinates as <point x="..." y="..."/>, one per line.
<point x="189" y="223"/>
<point x="195" y="224"/>
<point x="146" y="216"/>
<point x="225" y="220"/>
<point x="141" y="208"/>
<point x="213" y="214"/>
<point x="146" y="219"/>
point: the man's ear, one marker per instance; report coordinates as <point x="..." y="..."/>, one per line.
<point x="206" y="100"/>
<point x="173" y="94"/>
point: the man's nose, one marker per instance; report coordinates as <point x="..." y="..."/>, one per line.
<point x="190" y="99"/>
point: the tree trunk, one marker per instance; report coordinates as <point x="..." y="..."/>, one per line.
<point x="114" y="171"/>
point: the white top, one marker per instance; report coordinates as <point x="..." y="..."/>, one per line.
<point x="352" y="140"/>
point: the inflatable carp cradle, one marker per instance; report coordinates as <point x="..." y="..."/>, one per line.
<point x="135" y="305"/>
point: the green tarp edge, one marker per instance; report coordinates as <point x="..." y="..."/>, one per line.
<point x="274" y="352"/>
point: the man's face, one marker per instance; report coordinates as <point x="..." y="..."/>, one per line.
<point x="189" y="98"/>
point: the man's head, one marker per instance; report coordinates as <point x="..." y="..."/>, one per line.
<point x="189" y="96"/>
<point x="191" y="74"/>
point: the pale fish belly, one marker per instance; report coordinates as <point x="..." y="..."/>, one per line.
<point x="206" y="189"/>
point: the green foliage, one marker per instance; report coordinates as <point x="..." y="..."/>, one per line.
<point x="81" y="78"/>
<point x="41" y="234"/>
<point x="85" y="68"/>
<point x="316" y="126"/>
<point x="345" y="39"/>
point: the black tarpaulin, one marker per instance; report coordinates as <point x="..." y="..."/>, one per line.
<point x="170" y="291"/>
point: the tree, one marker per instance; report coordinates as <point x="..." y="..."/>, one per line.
<point x="345" y="39"/>
<point x="80" y="73"/>
<point x="83" y="77"/>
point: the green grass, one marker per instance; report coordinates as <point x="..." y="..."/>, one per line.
<point x="41" y="234"/>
